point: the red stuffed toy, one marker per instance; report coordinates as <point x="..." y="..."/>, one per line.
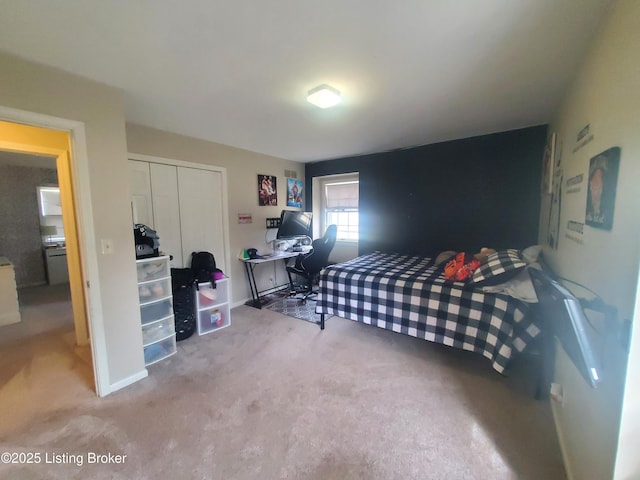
<point x="461" y="267"/>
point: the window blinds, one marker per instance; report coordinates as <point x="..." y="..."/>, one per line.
<point x="342" y="195"/>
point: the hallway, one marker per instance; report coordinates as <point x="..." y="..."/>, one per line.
<point x="37" y="354"/>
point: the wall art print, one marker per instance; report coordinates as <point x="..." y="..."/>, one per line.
<point x="555" y="206"/>
<point x="548" y="165"/>
<point x="601" y="185"/>
<point x="294" y="192"/>
<point x="267" y="190"/>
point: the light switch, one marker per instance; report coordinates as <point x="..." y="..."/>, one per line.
<point x="107" y="246"/>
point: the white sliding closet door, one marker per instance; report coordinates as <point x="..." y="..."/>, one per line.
<point x="166" y="210"/>
<point x="141" y="208"/>
<point x="200" y="193"/>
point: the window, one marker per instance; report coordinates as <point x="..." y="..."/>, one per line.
<point x="341" y="208"/>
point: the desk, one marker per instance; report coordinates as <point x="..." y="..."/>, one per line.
<point x="250" y="264"/>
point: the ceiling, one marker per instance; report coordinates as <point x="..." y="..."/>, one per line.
<point x="411" y="72"/>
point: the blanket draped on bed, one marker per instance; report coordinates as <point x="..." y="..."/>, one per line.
<point x="407" y="295"/>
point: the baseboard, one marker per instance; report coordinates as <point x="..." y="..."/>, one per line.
<point x="561" y="441"/>
<point x="9" y="318"/>
<point x="125" y="382"/>
<point x="239" y="303"/>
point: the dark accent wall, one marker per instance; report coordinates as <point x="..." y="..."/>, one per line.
<point x="458" y="195"/>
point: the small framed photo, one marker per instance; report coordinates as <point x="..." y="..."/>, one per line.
<point x="267" y="190"/>
<point x="601" y="188"/>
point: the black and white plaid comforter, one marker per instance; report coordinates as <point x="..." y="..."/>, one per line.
<point x="406" y="295"/>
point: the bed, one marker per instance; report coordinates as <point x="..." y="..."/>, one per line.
<point x="409" y="295"/>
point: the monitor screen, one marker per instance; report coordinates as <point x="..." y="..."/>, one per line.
<point x="294" y="224"/>
<point x="566" y="320"/>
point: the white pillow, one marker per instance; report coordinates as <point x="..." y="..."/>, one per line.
<point x="531" y="254"/>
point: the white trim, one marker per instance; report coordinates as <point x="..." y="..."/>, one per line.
<point x="199" y="166"/>
<point x="561" y="441"/>
<point x="86" y="236"/>
<point x="131" y="379"/>
<point x="9" y="318"/>
<point x="173" y="161"/>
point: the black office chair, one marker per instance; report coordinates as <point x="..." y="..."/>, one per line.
<point x="309" y="265"/>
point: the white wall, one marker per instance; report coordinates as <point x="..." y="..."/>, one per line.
<point x="35" y="88"/>
<point x="243" y="168"/>
<point x="606" y="96"/>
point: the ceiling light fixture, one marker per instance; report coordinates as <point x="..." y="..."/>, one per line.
<point x="324" y="96"/>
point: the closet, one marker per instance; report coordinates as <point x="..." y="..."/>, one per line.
<point x="184" y="204"/>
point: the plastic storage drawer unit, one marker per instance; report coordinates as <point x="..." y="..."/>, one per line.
<point x="212" y="305"/>
<point x="156" y="309"/>
<point x="154" y="290"/>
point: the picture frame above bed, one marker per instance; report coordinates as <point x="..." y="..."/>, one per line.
<point x="548" y="164"/>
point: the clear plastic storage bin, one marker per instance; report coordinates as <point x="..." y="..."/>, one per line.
<point x="154" y="290"/>
<point x="208" y="297"/>
<point x="153" y="269"/>
<point x="213" y="319"/>
<point x="156" y="310"/>
<point x="156" y="331"/>
<point x="157" y="351"/>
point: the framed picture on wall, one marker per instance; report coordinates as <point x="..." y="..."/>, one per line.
<point x="601" y="193"/>
<point x="548" y="164"/>
<point x="267" y="190"/>
<point x="294" y="192"/>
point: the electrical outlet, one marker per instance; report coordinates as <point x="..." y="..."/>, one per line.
<point x="273" y="222"/>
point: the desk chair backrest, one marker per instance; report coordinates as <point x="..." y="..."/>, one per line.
<point x="318" y="258"/>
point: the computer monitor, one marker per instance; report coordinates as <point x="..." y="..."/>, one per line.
<point x="294" y="224"/>
<point x="565" y="319"/>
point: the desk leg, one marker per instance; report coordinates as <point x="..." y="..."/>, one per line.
<point x="255" y="295"/>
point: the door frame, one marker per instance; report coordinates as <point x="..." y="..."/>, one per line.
<point x="83" y="211"/>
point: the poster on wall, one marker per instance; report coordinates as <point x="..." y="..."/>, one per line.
<point x="267" y="190"/>
<point x="602" y="184"/>
<point x="554" y="213"/>
<point x="556" y="197"/>
<point x="294" y="193"/>
<point x="548" y="165"/>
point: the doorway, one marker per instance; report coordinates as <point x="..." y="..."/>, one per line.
<point x="44" y="145"/>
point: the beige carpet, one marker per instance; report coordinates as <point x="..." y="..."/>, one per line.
<point x="273" y="397"/>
